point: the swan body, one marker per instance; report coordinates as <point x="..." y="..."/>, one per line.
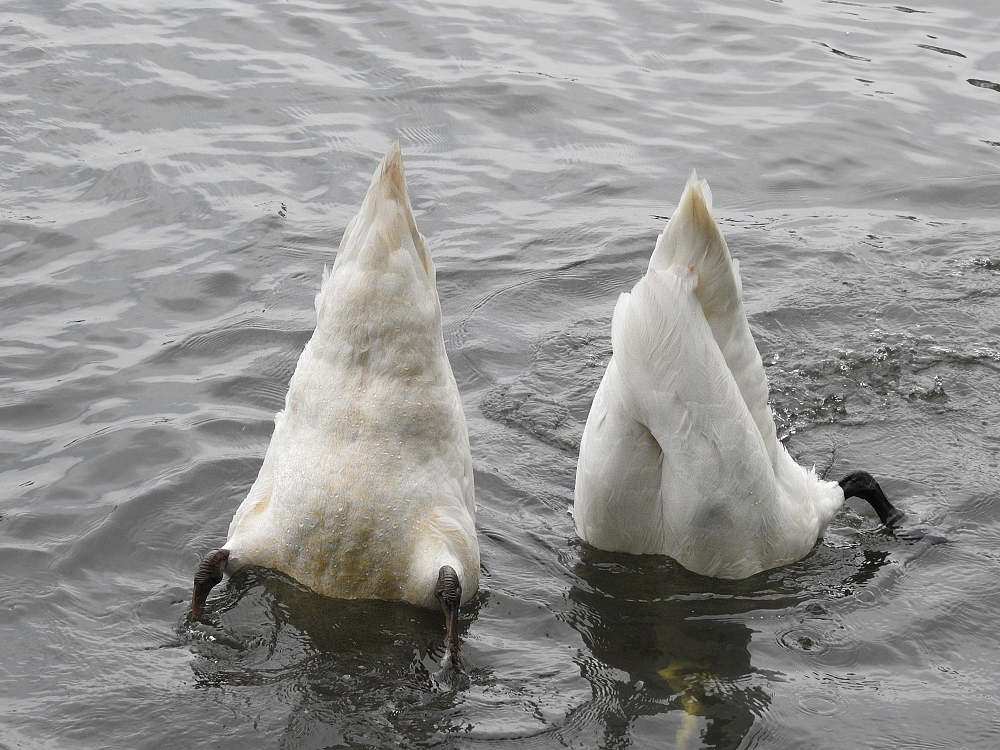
<point x="680" y="454"/>
<point x="366" y="489"/>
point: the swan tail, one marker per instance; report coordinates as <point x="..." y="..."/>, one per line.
<point x="378" y="306"/>
<point x="383" y="226"/>
<point x="692" y="242"/>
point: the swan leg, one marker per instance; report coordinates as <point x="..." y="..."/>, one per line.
<point x="449" y="592"/>
<point x="862" y="484"/>
<point x="208" y="575"/>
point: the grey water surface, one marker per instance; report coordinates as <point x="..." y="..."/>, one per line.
<point x="175" y="175"/>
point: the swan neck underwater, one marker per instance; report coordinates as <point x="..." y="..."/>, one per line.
<point x="680" y="454"/>
<point x="366" y="488"/>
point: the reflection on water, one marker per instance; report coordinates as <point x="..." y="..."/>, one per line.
<point x="336" y="671"/>
<point x="177" y="174"/>
<point x="663" y="640"/>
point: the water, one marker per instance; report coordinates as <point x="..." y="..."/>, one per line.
<point x="174" y="177"/>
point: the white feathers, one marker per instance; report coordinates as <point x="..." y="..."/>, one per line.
<point x="680" y="454"/>
<point x="366" y="489"/>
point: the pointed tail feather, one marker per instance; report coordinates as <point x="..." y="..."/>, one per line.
<point x="383" y="226"/>
<point x="385" y="219"/>
<point x="381" y="286"/>
<point x="692" y="242"/>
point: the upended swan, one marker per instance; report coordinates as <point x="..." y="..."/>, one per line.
<point x="679" y="454"/>
<point x="366" y="490"/>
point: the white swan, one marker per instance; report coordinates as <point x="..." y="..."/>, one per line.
<point x="680" y="455"/>
<point x="366" y="490"/>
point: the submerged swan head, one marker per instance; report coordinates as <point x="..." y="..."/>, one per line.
<point x="680" y="454"/>
<point x="366" y="489"/>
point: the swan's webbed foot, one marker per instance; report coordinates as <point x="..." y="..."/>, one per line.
<point x="208" y="575"/>
<point x="449" y="592"/>
<point x="862" y="484"/>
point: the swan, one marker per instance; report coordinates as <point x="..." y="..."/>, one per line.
<point x="366" y="489"/>
<point x="679" y="454"/>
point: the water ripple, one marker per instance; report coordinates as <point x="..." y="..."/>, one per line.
<point x="176" y="176"/>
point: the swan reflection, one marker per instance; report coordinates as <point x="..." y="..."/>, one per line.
<point x="670" y="645"/>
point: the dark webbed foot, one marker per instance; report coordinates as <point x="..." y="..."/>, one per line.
<point x="449" y="592"/>
<point x="208" y="575"/>
<point x="862" y="484"/>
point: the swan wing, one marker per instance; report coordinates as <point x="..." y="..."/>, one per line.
<point x="717" y="481"/>
<point x="617" y="499"/>
<point x="692" y="240"/>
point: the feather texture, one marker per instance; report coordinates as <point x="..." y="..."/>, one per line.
<point x="680" y="454"/>
<point x="366" y="489"/>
